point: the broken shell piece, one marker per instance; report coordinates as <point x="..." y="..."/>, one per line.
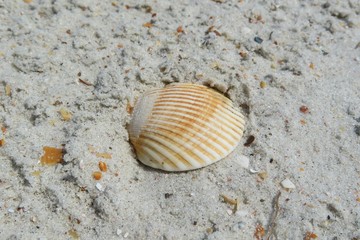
<point x="254" y="170"/>
<point x="99" y="187"/>
<point x="184" y="126"/>
<point x="287" y="184"/>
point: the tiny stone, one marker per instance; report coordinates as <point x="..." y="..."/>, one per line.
<point x="304" y="109"/>
<point x="263" y="175"/>
<point x="168" y="195"/>
<point x="81" y="164"/>
<point x="118" y="232"/>
<point x="249" y="141"/>
<point x="229" y="211"/>
<point x="126" y="235"/>
<point x="10" y="210"/>
<point x="258" y="40"/>
<point x="263" y="84"/>
<point x="287" y="184"/>
<point x="33" y="219"/>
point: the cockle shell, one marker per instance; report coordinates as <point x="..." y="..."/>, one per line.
<point x="184" y="126"/>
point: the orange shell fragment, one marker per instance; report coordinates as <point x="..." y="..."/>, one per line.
<point x="52" y="156"/>
<point x="97" y="175"/>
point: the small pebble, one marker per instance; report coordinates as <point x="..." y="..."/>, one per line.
<point x="229" y="211"/>
<point x="304" y="109"/>
<point x="258" y="40"/>
<point x="33" y="219"/>
<point x="249" y="141"/>
<point x="81" y="164"/>
<point x="118" y="232"/>
<point x="10" y="210"/>
<point x="263" y="175"/>
<point x="126" y="235"/>
<point x="263" y="84"/>
<point x="287" y="184"/>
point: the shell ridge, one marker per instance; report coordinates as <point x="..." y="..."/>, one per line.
<point x="189" y="157"/>
<point x="214" y="138"/>
<point x="218" y="98"/>
<point x="155" y="155"/>
<point x="204" y="150"/>
<point x="186" y="121"/>
<point x="191" y="120"/>
<point x="164" y="152"/>
<point x="235" y="119"/>
<point x="196" y="109"/>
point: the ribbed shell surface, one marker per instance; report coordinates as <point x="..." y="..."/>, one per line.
<point x="184" y="126"/>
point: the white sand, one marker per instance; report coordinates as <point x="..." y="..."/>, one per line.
<point x="308" y="56"/>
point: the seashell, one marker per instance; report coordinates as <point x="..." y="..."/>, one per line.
<point x="184" y="126"/>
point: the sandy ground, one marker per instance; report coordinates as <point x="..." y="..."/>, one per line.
<point x="68" y="70"/>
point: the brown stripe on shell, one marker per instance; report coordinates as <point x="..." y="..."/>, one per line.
<point x="193" y="119"/>
<point x="169" y="159"/>
<point x="205" y="138"/>
<point x="178" y="154"/>
<point x="202" y="107"/>
<point x="166" y="134"/>
<point x="210" y="134"/>
<point x="167" y="95"/>
<point x="222" y="133"/>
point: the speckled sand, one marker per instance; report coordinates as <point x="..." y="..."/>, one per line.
<point x="92" y="58"/>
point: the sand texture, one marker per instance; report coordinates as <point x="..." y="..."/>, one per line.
<point x="71" y="70"/>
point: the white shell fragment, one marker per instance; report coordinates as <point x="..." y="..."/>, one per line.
<point x="287" y="184"/>
<point x="184" y="126"/>
<point x="99" y="187"/>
